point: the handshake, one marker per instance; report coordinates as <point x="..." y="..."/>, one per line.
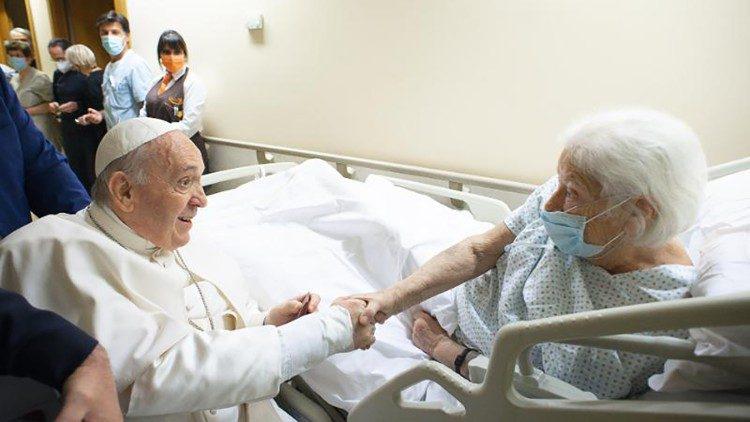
<point x="363" y="328"/>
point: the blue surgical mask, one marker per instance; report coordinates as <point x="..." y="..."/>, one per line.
<point x="113" y="44"/>
<point x="17" y="63"/>
<point x="566" y="231"/>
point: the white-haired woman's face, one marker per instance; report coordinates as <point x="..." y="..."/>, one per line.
<point x="581" y="195"/>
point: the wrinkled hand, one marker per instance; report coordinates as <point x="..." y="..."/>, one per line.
<point x="93" y="117"/>
<point x="89" y="393"/>
<point x="53" y="107"/>
<point x="68" y="107"/>
<point x="292" y="309"/>
<point x="380" y="306"/>
<point x="364" y="334"/>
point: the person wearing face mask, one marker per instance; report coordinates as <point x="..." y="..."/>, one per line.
<point x="34" y="89"/>
<point x="179" y="95"/>
<point x="600" y="234"/>
<point x="127" y="77"/>
<point x="56" y="49"/>
<point x="69" y="88"/>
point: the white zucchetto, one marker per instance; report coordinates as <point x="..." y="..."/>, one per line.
<point x="126" y="136"/>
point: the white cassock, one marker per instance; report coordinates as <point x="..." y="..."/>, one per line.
<point x="147" y="310"/>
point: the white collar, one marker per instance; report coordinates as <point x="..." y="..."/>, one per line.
<point x="179" y="74"/>
<point x="104" y="219"/>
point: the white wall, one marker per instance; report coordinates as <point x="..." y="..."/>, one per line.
<point x="480" y="87"/>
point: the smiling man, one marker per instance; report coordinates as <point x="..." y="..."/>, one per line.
<point x="184" y="335"/>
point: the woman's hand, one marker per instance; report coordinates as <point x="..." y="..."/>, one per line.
<point x="292" y="309"/>
<point x="93" y="117"/>
<point x="379" y="306"/>
<point x="68" y="107"/>
<point x="53" y="107"/>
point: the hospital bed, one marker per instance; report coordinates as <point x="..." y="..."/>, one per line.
<point x="505" y="386"/>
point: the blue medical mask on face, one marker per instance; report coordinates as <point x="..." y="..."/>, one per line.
<point x="113" y="44"/>
<point x="17" y="63"/>
<point x="566" y="231"/>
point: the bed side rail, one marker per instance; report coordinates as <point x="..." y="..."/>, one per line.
<point x="497" y="398"/>
<point x="483" y="208"/>
<point x="256" y="171"/>
<point x="730" y="167"/>
<point x="264" y="153"/>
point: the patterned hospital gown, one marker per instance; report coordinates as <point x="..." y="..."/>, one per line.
<point x="531" y="282"/>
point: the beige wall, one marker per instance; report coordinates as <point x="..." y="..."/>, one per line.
<point x="475" y="86"/>
<point x="42" y="32"/>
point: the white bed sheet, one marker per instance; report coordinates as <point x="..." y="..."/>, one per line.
<point x="309" y="229"/>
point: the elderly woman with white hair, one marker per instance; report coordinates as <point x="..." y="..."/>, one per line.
<point x="600" y="234"/>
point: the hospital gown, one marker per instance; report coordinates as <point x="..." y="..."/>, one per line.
<point x="533" y="279"/>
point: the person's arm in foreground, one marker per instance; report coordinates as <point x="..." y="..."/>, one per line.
<point x="218" y="369"/>
<point x="43" y="346"/>
<point x="463" y="261"/>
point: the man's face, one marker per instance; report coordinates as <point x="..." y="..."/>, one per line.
<point x="164" y="207"/>
<point x="56" y="53"/>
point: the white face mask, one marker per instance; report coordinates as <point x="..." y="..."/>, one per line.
<point x="63" y="66"/>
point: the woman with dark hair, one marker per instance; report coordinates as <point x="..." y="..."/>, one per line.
<point x="179" y="95"/>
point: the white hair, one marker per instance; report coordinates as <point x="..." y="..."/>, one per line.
<point x="80" y="56"/>
<point x="643" y="152"/>
<point x="21" y="31"/>
<point x="134" y="164"/>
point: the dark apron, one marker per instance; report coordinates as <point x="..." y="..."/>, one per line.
<point x="168" y="106"/>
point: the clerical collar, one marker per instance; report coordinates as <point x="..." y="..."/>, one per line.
<point x="113" y="227"/>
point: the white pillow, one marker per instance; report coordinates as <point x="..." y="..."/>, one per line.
<point x="719" y="245"/>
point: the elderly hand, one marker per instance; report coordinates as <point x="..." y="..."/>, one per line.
<point x="364" y="334"/>
<point x="379" y="306"/>
<point x="292" y="309"/>
<point x="89" y="393"/>
<point x="93" y="117"/>
<point x="68" y="107"/>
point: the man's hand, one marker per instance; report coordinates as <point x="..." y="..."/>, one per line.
<point x="89" y="393"/>
<point x="364" y="334"/>
<point x="53" y="107"/>
<point x="379" y="306"/>
<point x="93" y="117"/>
<point x="292" y="309"/>
<point x="68" y="107"/>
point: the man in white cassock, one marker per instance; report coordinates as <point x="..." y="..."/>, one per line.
<point x="185" y="338"/>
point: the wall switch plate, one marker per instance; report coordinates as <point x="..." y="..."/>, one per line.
<point x="255" y="22"/>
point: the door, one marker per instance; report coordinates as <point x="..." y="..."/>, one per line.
<point x="75" y="20"/>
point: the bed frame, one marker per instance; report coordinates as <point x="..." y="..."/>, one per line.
<point x="506" y="386"/>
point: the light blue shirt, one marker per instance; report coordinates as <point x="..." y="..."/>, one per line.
<point x="125" y="85"/>
<point x="531" y="282"/>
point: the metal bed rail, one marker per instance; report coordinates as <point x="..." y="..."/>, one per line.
<point x="456" y="180"/>
<point x="496" y="398"/>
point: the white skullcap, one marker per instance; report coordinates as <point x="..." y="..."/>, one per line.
<point x="127" y="136"/>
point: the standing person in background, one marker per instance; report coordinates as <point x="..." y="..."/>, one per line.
<point x="56" y="49"/>
<point x="24" y="35"/>
<point x="34" y="90"/>
<point x="82" y="59"/>
<point x="69" y="88"/>
<point x="179" y="95"/>
<point x="127" y="76"/>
